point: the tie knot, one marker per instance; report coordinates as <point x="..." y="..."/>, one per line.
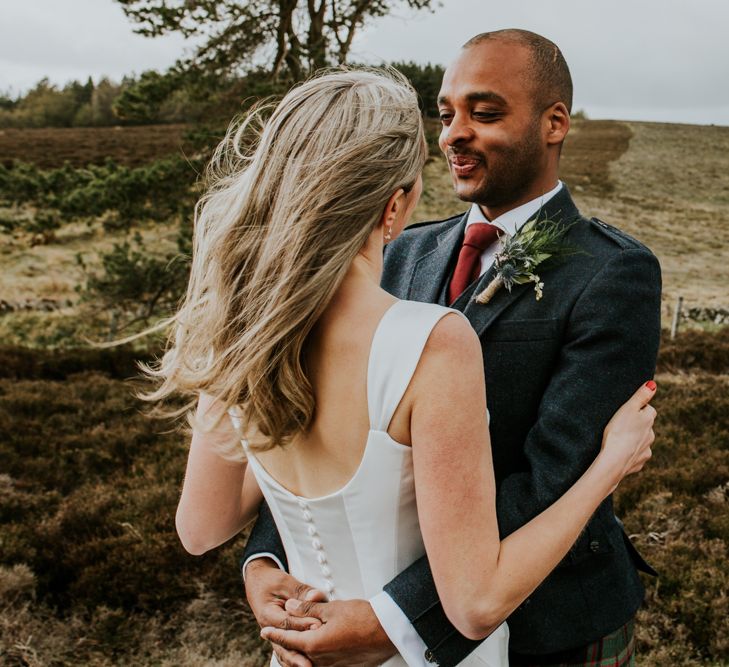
<point x="481" y="235"/>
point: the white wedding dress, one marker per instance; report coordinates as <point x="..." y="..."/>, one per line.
<point x="350" y="543"/>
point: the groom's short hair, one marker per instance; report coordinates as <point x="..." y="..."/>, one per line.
<point x="548" y="68"/>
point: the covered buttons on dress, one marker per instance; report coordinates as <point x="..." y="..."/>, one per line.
<point x="318" y="547"/>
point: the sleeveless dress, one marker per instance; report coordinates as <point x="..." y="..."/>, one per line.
<point x="351" y="542"/>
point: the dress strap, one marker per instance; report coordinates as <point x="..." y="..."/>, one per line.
<point x="236" y="420"/>
<point x="397" y="345"/>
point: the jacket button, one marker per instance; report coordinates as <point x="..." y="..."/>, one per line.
<point x="430" y="657"/>
<point x="594" y="546"/>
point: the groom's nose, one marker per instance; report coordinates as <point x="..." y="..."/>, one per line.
<point x="458" y="131"/>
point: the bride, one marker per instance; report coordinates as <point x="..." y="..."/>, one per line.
<point x="338" y="403"/>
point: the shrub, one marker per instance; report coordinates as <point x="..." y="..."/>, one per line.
<point x="89" y="550"/>
<point x="677" y="512"/>
<point x="135" y="284"/>
<point x="157" y="191"/>
<point x="18" y="363"/>
<point x="91" y="571"/>
<point x="695" y="350"/>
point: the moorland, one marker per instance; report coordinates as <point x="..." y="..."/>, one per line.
<point x="91" y="571"/>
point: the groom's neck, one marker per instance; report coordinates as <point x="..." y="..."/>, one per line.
<point x="534" y="192"/>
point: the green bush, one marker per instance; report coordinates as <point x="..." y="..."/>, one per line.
<point x="136" y="285"/>
<point x="157" y="191"/>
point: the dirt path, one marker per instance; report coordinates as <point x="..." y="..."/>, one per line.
<point x="589" y="150"/>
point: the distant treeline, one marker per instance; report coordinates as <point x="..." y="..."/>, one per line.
<point x="155" y="98"/>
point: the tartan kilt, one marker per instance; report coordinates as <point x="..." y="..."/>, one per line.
<point x="615" y="650"/>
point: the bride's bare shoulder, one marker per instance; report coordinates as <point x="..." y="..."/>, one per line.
<point x="451" y="335"/>
<point x="453" y="348"/>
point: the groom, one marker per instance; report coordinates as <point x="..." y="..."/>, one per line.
<point x="556" y="370"/>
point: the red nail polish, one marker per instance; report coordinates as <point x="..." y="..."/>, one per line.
<point x="651" y="385"/>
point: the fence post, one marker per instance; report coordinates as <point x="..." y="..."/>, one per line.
<point x="676" y="317"/>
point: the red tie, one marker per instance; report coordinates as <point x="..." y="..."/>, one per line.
<point x="479" y="236"/>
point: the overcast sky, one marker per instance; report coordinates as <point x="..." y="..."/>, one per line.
<point x="662" y="60"/>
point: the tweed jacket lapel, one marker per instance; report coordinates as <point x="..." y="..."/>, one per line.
<point x="430" y="270"/>
<point x="482" y="316"/>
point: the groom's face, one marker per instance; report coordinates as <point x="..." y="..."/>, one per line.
<point x="491" y="131"/>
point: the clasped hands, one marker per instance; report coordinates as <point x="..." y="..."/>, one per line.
<point x="307" y="631"/>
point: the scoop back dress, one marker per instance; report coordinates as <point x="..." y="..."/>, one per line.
<point x="353" y="541"/>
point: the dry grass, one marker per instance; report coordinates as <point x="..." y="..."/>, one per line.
<point x="51" y="271"/>
<point x="438" y="200"/>
<point x="664" y="184"/>
<point x="669" y="190"/>
<point x="79" y="146"/>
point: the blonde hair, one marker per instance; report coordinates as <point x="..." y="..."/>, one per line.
<point x="274" y="236"/>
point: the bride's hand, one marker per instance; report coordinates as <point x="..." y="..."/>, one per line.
<point x="627" y="440"/>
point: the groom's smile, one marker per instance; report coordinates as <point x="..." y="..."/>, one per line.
<point x="463" y="165"/>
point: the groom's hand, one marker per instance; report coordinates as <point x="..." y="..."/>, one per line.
<point x="350" y="634"/>
<point x="268" y="588"/>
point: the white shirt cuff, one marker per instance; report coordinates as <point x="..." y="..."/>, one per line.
<point x="400" y="631"/>
<point x="256" y="557"/>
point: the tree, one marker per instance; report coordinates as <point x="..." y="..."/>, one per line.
<point x="141" y="100"/>
<point x="295" y="36"/>
<point x="7" y="103"/>
<point x="426" y="79"/>
<point x="44" y="106"/>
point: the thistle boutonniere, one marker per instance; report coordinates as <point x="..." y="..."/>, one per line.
<point x="535" y="243"/>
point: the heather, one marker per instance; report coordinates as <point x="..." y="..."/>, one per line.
<point x="91" y="571"/>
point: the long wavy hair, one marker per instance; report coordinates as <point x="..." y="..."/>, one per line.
<point x="285" y="213"/>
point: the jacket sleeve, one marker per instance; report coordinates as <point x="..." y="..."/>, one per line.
<point x="264" y="540"/>
<point x="609" y="348"/>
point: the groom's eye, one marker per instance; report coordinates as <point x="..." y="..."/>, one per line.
<point x="486" y="115"/>
<point x="445" y="117"/>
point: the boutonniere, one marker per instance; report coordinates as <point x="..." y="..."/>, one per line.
<point x="531" y="246"/>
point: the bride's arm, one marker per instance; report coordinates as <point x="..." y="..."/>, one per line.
<point x="480" y="579"/>
<point x="219" y="497"/>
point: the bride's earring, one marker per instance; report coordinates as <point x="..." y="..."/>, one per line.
<point x="388" y="234"/>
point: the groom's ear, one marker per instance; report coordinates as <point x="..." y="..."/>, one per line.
<point x="558" y="123"/>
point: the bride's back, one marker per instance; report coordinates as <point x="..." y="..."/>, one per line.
<point x="324" y="458"/>
<point x="343" y="495"/>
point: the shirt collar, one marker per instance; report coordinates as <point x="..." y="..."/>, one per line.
<point x="513" y="220"/>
